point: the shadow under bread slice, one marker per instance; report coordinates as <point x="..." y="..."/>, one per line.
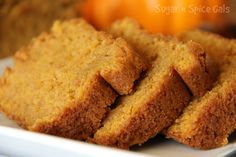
<point x="63" y="82"/>
<point x="208" y="121"/>
<point x="177" y="71"/>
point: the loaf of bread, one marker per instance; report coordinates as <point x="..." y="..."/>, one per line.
<point x="207" y="122"/>
<point x="63" y="81"/>
<point x="177" y="71"/>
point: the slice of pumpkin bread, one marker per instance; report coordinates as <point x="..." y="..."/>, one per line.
<point x="162" y="93"/>
<point x="207" y="122"/>
<point x="63" y="82"/>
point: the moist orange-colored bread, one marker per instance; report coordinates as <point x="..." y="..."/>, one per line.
<point x="63" y="82"/>
<point x="176" y="68"/>
<point x="208" y="121"/>
<point x="21" y="20"/>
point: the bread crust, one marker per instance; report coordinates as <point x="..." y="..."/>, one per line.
<point x="138" y="117"/>
<point x="152" y="117"/>
<point x="77" y="87"/>
<point x="208" y="121"/>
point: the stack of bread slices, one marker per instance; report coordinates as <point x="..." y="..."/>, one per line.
<point x="122" y="87"/>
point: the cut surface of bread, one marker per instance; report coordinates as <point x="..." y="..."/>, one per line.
<point x="208" y="121"/>
<point x="176" y="68"/>
<point x="21" y="20"/>
<point x="63" y="81"/>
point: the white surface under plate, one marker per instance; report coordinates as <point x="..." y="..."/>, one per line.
<point x="15" y="141"/>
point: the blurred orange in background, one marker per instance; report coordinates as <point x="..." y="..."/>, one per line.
<point x="165" y="16"/>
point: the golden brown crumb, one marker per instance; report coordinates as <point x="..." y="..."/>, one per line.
<point x="207" y="122"/>
<point x="163" y="92"/>
<point x="63" y="81"/>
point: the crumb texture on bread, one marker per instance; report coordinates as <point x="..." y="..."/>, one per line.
<point x="208" y="121"/>
<point x="177" y="70"/>
<point x="63" y="81"/>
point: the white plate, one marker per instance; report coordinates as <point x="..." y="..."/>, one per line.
<point x="15" y="141"/>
